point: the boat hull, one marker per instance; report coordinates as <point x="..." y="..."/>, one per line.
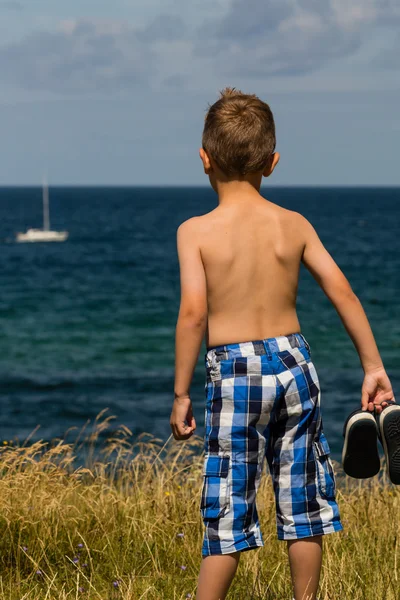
<point x="39" y="235"/>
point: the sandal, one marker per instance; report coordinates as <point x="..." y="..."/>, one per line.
<point x="388" y="422"/>
<point x="360" y="456"/>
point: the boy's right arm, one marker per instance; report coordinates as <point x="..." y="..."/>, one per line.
<point x="376" y="388"/>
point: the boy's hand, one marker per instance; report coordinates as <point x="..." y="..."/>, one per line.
<point x="181" y="412"/>
<point x="376" y="390"/>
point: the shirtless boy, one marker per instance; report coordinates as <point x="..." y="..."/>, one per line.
<point x="239" y="267"/>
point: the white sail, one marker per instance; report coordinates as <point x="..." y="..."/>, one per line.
<point x="46" y="213"/>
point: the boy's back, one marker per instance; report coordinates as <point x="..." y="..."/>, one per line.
<point x="251" y="251"/>
<point x="239" y="268"/>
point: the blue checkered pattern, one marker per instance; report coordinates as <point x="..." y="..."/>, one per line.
<point x="263" y="401"/>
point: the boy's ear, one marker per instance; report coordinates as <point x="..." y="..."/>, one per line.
<point x="272" y="164"/>
<point x="205" y="160"/>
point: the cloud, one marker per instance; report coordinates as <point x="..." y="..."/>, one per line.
<point x="80" y="56"/>
<point x="288" y="37"/>
<point x="89" y="55"/>
<point x="11" y="5"/>
<point x="164" y="27"/>
<point x="250" y="39"/>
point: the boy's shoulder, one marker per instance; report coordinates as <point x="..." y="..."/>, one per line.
<point x="198" y="225"/>
<point x="190" y="226"/>
<point x="194" y="225"/>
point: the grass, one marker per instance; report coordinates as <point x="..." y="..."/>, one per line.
<point x="127" y="526"/>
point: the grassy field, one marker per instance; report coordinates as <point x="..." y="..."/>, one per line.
<point x="129" y="527"/>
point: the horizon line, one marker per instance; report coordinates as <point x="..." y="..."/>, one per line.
<point x="197" y="186"/>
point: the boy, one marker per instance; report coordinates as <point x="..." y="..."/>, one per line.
<point x="239" y="267"/>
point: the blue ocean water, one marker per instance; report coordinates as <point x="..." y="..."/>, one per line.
<point x="89" y="324"/>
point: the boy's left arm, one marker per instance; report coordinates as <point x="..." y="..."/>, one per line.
<point x="190" y="328"/>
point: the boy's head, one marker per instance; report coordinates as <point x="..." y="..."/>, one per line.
<point x="239" y="136"/>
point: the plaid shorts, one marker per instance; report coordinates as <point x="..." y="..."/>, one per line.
<point x="263" y="400"/>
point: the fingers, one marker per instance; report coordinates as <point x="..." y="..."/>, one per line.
<point x="374" y="396"/>
<point x="182" y="421"/>
<point x="181" y="431"/>
<point x="384" y="397"/>
<point x="184" y="436"/>
<point x="365" y="400"/>
<point x="381" y="400"/>
<point x="190" y="419"/>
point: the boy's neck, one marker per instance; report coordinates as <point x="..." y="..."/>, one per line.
<point x="234" y="190"/>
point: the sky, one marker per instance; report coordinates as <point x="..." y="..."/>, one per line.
<point x="95" y="92"/>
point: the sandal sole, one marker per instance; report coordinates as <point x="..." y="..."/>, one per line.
<point x="389" y="426"/>
<point x="360" y="456"/>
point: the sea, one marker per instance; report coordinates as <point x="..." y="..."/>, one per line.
<point x="87" y="325"/>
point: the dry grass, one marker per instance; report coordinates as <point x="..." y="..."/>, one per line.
<point x="128" y="526"/>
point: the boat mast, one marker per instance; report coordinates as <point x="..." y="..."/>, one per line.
<point x="46" y="216"/>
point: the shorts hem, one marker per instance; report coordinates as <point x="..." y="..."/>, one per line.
<point x="309" y="532"/>
<point x="239" y="547"/>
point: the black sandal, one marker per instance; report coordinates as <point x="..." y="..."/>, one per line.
<point x="388" y="422"/>
<point x="360" y="456"/>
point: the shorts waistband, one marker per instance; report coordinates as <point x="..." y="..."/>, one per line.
<point x="259" y="347"/>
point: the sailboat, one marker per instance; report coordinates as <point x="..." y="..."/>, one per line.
<point x="45" y="234"/>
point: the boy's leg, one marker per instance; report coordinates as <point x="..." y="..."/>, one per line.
<point x="238" y="406"/>
<point x="305" y="557"/>
<point x="301" y="469"/>
<point x="216" y="575"/>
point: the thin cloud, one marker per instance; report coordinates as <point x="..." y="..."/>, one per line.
<point x="80" y="57"/>
<point x="252" y="39"/>
<point x="11" y="5"/>
<point x="290" y="37"/>
<point x="168" y="28"/>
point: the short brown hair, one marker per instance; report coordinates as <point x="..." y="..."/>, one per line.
<point x="239" y="133"/>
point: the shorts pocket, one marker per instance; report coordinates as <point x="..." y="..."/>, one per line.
<point x="215" y="491"/>
<point x="324" y="469"/>
<point x="213" y="371"/>
<point x="219" y="367"/>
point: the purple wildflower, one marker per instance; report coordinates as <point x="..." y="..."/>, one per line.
<point x="75" y="559"/>
<point x="183" y="567"/>
<point x="115" y="584"/>
<point x="80" y="545"/>
<point x="180" y="535"/>
<point x="84" y="565"/>
<point x="188" y="595"/>
<point x="24" y="548"/>
<point x="39" y="572"/>
<point x="81" y="589"/>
